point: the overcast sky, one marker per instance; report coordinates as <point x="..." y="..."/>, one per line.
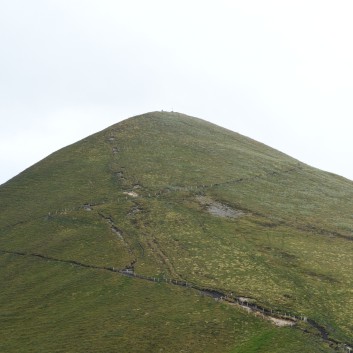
<point x="280" y="72"/>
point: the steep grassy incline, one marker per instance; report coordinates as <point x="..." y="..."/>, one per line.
<point x="169" y="196"/>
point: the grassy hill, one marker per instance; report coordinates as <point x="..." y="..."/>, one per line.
<point x="121" y="241"/>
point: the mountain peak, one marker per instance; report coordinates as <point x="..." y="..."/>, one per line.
<point x="138" y="228"/>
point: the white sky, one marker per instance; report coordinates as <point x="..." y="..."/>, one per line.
<point x="280" y="72"/>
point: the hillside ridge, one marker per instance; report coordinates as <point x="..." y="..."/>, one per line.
<point x="196" y="209"/>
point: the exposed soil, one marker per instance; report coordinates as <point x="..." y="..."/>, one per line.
<point x="131" y="193"/>
<point x="219" y="209"/>
<point x="281" y="322"/>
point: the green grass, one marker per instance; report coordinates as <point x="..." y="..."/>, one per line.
<point x="291" y="251"/>
<point x="54" y="307"/>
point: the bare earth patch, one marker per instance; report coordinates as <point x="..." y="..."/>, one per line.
<point x="281" y="322"/>
<point x="131" y="193"/>
<point x="219" y="209"/>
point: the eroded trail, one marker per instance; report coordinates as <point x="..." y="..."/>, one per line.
<point x="276" y="317"/>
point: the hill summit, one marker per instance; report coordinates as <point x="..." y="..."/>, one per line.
<point x="166" y="233"/>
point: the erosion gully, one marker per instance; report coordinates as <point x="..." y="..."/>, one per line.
<point x="278" y="318"/>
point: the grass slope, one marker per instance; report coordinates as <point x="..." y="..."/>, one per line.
<point x="138" y="194"/>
